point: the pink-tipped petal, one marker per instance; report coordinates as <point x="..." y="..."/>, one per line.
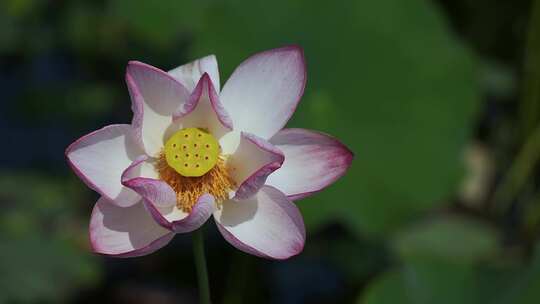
<point x="155" y="96"/>
<point x="190" y="73"/>
<point x="204" y="110"/>
<point x="141" y="177"/>
<point x="263" y="92"/>
<point x="254" y="160"/>
<point x="160" y="199"/>
<point x="99" y="159"/>
<point x="267" y="225"/>
<point x="142" y="166"/>
<point x="125" y="231"/>
<point x="313" y="161"/>
<point x="200" y="213"/>
<point x="174" y="219"/>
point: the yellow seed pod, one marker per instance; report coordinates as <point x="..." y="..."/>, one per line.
<point x="192" y="152"/>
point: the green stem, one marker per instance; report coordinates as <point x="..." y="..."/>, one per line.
<point x="520" y="171"/>
<point x="530" y="101"/>
<point x="529" y="155"/>
<point x="238" y="278"/>
<point x="200" y="265"/>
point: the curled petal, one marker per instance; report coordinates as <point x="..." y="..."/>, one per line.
<point x="197" y="217"/>
<point x="267" y="225"/>
<point x="254" y="160"/>
<point x="263" y="92"/>
<point x="99" y="159"/>
<point x="141" y="177"/>
<point x="190" y="73"/>
<point x="155" y="96"/>
<point x="173" y="218"/>
<point x="313" y="161"/>
<point x="160" y="199"/>
<point x="125" y="231"/>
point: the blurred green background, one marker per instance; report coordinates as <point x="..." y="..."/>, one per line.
<point x="439" y="100"/>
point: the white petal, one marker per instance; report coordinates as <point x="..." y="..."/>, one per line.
<point x="155" y="96"/>
<point x="173" y="218"/>
<point x="267" y="225"/>
<point x="142" y="178"/>
<point x="99" y="159"/>
<point x="160" y="199"/>
<point x="263" y="91"/>
<point x="203" y="110"/>
<point x="125" y="232"/>
<point x="190" y="73"/>
<point x="252" y="162"/>
<point x="313" y="161"/>
<point x="229" y="142"/>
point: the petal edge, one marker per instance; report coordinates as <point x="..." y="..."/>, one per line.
<point x="264" y="90"/>
<point x="155" y="96"/>
<point x="190" y="73"/>
<point x="252" y="163"/>
<point x="313" y="161"/>
<point x="125" y="232"/>
<point x="269" y="225"/>
<point x="99" y="159"/>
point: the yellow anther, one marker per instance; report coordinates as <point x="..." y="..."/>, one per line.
<point x="192" y="152"/>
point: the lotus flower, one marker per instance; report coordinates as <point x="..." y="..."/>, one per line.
<point x="194" y="150"/>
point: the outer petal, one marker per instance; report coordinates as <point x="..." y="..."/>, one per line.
<point x="155" y="96"/>
<point x="190" y="73"/>
<point x="264" y="90"/>
<point x="254" y="160"/>
<point x="204" y="110"/>
<point x="99" y="159"/>
<point x="313" y="161"/>
<point x="125" y="232"/>
<point x="268" y="225"/>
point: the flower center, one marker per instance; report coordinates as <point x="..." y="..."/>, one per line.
<point x="192" y="152"/>
<point x="192" y="164"/>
